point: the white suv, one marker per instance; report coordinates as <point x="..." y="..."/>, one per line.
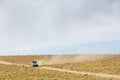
<point x="34" y="63"/>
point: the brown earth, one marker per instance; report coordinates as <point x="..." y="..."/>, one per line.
<point x="69" y="59"/>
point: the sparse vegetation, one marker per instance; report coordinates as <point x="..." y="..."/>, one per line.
<point x="12" y="72"/>
<point x="110" y="66"/>
<point x="20" y="59"/>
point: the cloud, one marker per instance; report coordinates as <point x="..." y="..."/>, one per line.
<point x="42" y="24"/>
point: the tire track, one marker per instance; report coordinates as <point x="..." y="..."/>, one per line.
<point x="66" y="70"/>
<point x="83" y="73"/>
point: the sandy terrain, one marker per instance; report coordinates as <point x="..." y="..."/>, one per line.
<point x="67" y="59"/>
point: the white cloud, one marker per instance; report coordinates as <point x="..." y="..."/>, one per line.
<point x="44" y="24"/>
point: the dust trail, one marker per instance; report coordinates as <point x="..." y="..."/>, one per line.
<point x="66" y="70"/>
<point x="61" y="59"/>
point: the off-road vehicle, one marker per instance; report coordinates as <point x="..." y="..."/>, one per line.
<point x="34" y="63"/>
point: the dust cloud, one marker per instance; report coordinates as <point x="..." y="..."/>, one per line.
<point x="61" y="59"/>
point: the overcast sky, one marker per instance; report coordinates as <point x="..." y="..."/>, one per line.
<point x="59" y="26"/>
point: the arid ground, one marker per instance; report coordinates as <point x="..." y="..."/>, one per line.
<point x="61" y="67"/>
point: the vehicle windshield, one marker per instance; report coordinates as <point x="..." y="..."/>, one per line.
<point x="34" y="61"/>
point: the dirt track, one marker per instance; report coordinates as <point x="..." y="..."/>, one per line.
<point x="66" y="70"/>
<point x="81" y="72"/>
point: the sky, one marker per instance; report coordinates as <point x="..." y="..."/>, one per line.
<point x="29" y="27"/>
